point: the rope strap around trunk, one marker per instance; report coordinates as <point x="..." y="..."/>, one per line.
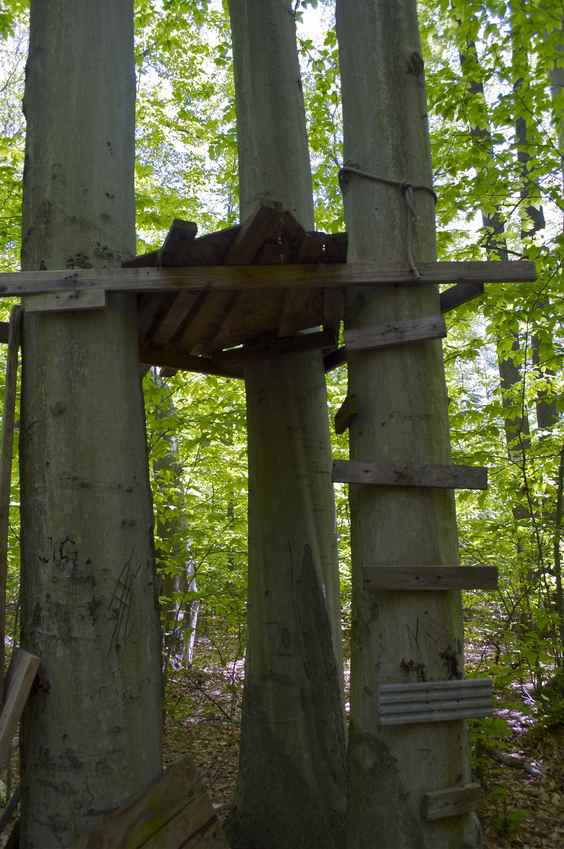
<point x="408" y="191"/>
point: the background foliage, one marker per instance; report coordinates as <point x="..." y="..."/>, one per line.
<point x="498" y="173"/>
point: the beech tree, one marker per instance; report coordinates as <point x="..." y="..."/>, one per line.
<point x="92" y="735"/>
<point x="402" y="418"/>
<point x="291" y="783"/>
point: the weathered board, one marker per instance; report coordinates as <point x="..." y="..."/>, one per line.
<point x="396" y="333"/>
<point x="451" y="802"/>
<point x="243" y="277"/>
<point x="21" y="675"/>
<point x="406" y="474"/>
<point x="73" y="301"/>
<point x="174" y="359"/>
<point x="460" y="294"/>
<point x="435" y="701"/>
<point x="174" y="813"/>
<point x="409" y="578"/>
<point x="346" y="413"/>
<point x="305" y="342"/>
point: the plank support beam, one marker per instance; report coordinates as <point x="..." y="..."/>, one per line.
<point x="346" y="413"/>
<point x="248" y="277"/>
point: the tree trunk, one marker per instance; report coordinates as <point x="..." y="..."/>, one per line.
<point x="396" y="637"/>
<point x="174" y="564"/>
<point x="291" y="784"/>
<point x="92" y="732"/>
<point x="516" y="426"/>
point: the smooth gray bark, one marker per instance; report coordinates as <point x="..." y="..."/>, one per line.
<point x="396" y="637"/>
<point x="292" y="776"/>
<point x="92" y="732"/>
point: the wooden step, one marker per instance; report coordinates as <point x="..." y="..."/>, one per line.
<point x="435" y="701"/>
<point x="410" y="578"/>
<point x="407" y="474"/>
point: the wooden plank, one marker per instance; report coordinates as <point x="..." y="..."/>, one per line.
<point x="73" y="301"/>
<point x="241" y="357"/>
<point x="239" y="277"/>
<point x="335" y="359"/>
<point x="460" y="294"/>
<point x="179" y="233"/>
<point x="175" y="318"/>
<point x="333" y="308"/>
<point x="210" y="249"/>
<point x="436" y="701"/>
<point x="6" y="457"/>
<point x="416" y="578"/>
<point x="452" y="802"/>
<point x="4" y="331"/>
<point x="346" y="413"/>
<point x="147" y="260"/>
<point x="406" y="474"/>
<point x="395" y="333"/>
<point x="150" y="309"/>
<point x="310" y="251"/>
<point x="266" y="223"/>
<point x="173" y="358"/>
<point x="21" y="675"/>
<point x="174" y="812"/>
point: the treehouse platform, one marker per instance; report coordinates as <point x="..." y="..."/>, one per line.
<point x="211" y="304"/>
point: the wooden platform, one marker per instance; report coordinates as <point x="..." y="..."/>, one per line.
<point x="257" y="285"/>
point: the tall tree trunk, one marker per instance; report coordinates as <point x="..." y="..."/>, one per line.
<point x="516" y="426"/>
<point x="396" y="637"/>
<point x="292" y="780"/>
<point x="92" y="732"/>
<point x="174" y="564"/>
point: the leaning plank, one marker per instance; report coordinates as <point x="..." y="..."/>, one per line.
<point x="437" y="701"/>
<point x="174" y="812"/>
<point x="85" y="299"/>
<point x="405" y="474"/>
<point x="395" y="333"/>
<point x="241" y="277"/>
<point x="6" y="456"/>
<point x="451" y="802"/>
<point x="21" y="675"/>
<point x="346" y="413"/>
<point x="335" y="359"/>
<point x="409" y="578"/>
<point x="460" y="294"/>
<point x="172" y="358"/>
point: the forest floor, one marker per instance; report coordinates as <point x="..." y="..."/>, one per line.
<point x="520" y="768"/>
